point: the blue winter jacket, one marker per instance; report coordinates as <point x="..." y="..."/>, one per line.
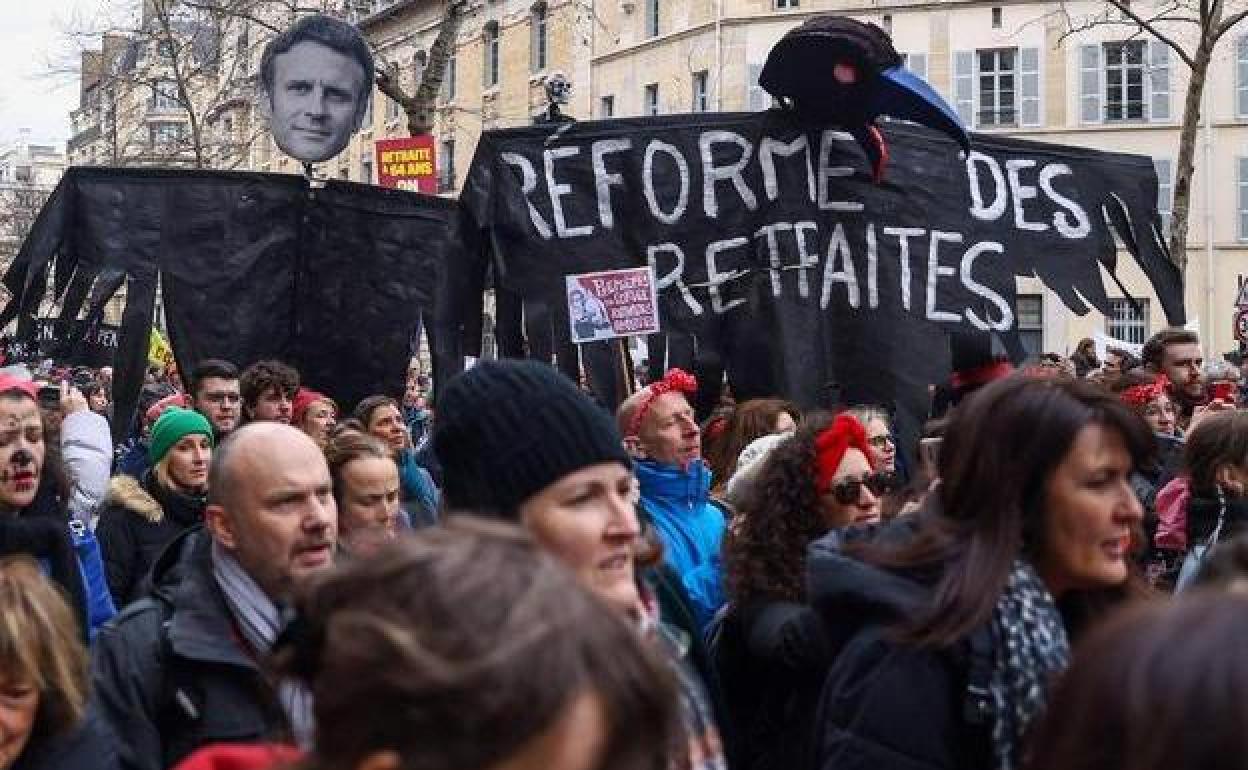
<point x="691" y="528"/>
<point x="419" y="495"/>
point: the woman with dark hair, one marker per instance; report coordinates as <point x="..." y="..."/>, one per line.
<point x="1084" y="358"/>
<point x="44" y="723"/>
<point x="1209" y="502"/>
<point x="34" y="516"/>
<point x="366" y="489"/>
<point x="747" y="421"/>
<point x="769" y="647"/>
<point x="465" y="647"/>
<point x="521" y="443"/>
<point x="1146" y="693"/>
<point x="382" y="417"/>
<point x="951" y="625"/>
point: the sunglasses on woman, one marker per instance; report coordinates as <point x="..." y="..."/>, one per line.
<point x="848" y="491"/>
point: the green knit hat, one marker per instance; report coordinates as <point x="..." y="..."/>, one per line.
<point x="172" y="426"/>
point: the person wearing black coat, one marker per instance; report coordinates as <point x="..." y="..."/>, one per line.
<point x="771" y="650"/>
<point x="949" y="636"/>
<point x="140" y="517"/>
<point x="180" y="639"/>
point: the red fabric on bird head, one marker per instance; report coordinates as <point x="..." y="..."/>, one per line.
<point x="675" y="381"/>
<point x="843" y="434"/>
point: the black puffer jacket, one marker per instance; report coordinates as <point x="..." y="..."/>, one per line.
<point x="137" y="521"/>
<point x="886" y="705"/>
<point x="170" y="673"/>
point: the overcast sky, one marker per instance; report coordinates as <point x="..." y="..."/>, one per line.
<point x="34" y="35"/>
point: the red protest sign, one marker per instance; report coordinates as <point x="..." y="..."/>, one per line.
<point x="407" y="164"/>
<point x="615" y="303"/>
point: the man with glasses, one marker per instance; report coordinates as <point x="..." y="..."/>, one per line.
<point x="215" y="394"/>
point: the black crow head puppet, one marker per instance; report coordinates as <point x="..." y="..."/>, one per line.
<point x="840" y="71"/>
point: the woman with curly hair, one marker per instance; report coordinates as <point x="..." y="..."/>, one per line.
<point x="769" y="648"/>
<point x="748" y="421"/>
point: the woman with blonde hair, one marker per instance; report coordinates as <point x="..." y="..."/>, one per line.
<point x="141" y="516"/>
<point x="44" y="724"/>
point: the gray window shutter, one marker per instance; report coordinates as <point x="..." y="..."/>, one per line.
<point x="1242" y="206"/>
<point x="1165" y="190"/>
<point x="1029" y="74"/>
<point x="917" y="63"/>
<point x="964" y="86"/>
<point x="757" y="96"/>
<point x="1159" y="81"/>
<point x="1241" y="77"/>
<point x="1090" y="79"/>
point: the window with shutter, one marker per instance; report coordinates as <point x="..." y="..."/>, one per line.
<point x="1124" y="81"/>
<point x="700" y="101"/>
<point x="1242" y="199"/>
<point x="916" y="63"/>
<point x="997" y="76"/>
<point x="449" y="81"/>
<point x="1165" y="190"/>
<point x="1158" y="81"/>
<point x="964" y="86"/>
<point x="490" y="69"/>
<point x="651" y="99"/>
<point x="1090" y="83"/>
<point x="1241" y="77"/>
<point x="1029" y="80"/>
<point x="537" y="43"/>
<point x="652" y="18"/>
<point x="759" y="99"/>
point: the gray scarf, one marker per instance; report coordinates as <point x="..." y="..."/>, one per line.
<point x="260" y="621"/>
<point x="1030" y="649"/>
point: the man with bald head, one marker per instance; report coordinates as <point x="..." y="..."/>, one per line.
<point x="181" y="668"/>
<point x="663" y="437"/>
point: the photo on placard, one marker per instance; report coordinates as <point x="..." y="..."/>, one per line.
<point x="317" y="79"/>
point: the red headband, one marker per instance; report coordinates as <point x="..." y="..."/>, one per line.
<point x="843" y="434"/>
<point x="675" y="381"/>
<point x="1140" y="395"/>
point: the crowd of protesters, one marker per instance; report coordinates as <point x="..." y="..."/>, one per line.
<point x="505" y="575"/>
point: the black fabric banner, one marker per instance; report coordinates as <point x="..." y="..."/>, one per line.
<point x="782" y="263"/>
<point x="251" y="266"/>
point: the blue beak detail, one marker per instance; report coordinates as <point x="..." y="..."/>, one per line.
<point x="902" y="94"/>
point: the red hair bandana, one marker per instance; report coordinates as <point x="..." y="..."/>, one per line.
<point x="675" y="381"/>
<point x="1138" y="396"/>
<point x="843" y="434"/>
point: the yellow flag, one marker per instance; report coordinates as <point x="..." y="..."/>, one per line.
<point x="158" y="352"/>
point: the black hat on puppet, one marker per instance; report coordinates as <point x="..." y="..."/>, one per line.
<point x="838" y="70"/>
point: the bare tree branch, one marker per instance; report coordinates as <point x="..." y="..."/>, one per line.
<point x="1150" y="28"/>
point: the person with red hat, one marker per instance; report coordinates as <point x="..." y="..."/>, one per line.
<point x="768" y="642"/>
<point x="662" y="435"/>
<point x="315" y="414"/>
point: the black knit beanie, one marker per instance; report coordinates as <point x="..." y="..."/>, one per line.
<point x="506" y="430"/>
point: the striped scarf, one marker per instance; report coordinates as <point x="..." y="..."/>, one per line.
<point x="259" y="620"/>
